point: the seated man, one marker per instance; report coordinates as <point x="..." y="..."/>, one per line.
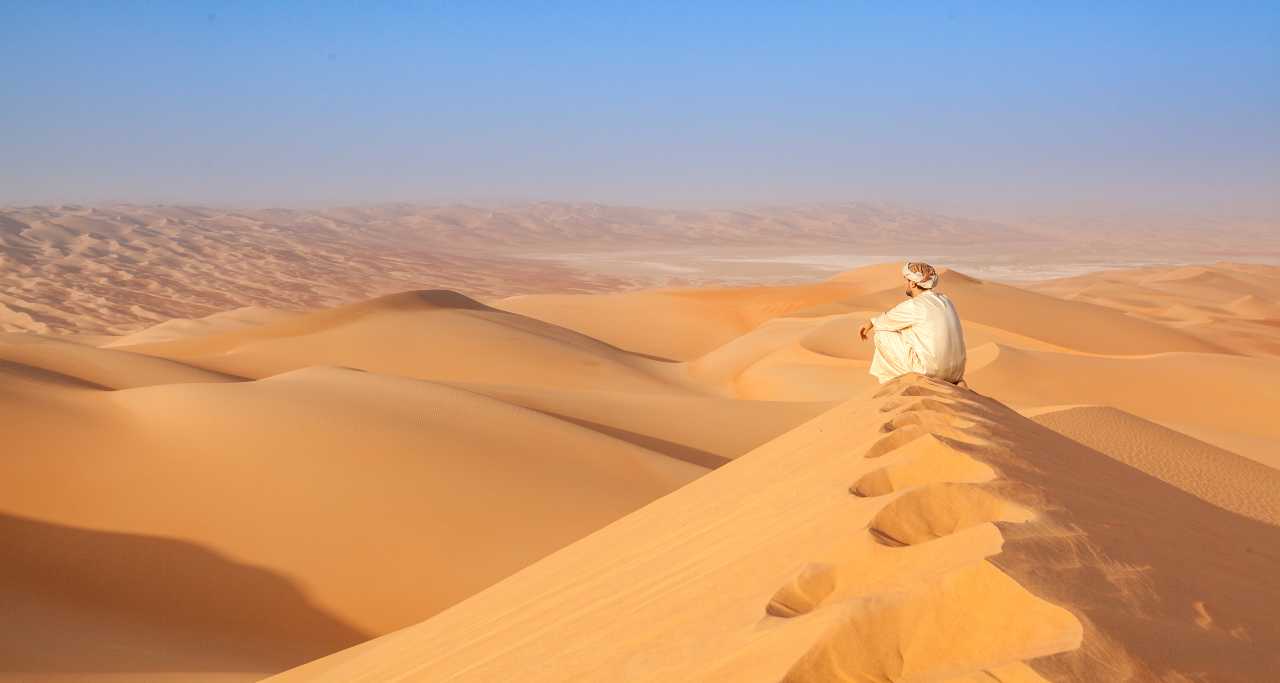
<point x="921" y="334"/>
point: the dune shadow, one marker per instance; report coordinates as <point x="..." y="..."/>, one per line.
<point x="671" y="449"/>
<point x="37" y="374"/>
<point x="1157" y="574"/>
<point x="75" y="600"/>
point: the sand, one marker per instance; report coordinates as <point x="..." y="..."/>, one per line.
<point x="117" y="269"/>
<point x="685" y="483"/>
<point x="1031" y="557"/>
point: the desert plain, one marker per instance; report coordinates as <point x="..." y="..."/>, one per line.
<point x="554" y="442"/>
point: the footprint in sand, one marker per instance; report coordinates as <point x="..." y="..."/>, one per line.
<point x="938" y="495"/>
<point x="925" y="458"/>
<point x="938" y="510"/>
<point x="945" y="499"/>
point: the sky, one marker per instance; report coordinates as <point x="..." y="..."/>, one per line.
<point x="1172" y="106"/>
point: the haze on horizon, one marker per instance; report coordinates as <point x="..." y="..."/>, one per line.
<point x="951" y="105"/>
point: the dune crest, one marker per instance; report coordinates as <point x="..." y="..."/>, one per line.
<point x="676" y="484"/>
<point x="813" y="583"/>
<point x="1213" y="474"/>
<point x="184" y="328"/>
<point x="436" y="335"/>
<point x="1231" y="305"/>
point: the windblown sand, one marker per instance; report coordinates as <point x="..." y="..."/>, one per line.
<point x="675" y="484"/>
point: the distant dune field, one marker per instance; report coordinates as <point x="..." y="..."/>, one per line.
<point x="322" y="457"/>
<point x="120" y="268"/>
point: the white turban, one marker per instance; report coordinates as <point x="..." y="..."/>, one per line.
<point x="925" y="283"/>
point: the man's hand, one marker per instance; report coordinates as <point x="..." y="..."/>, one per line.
<point x="865" y="330"/>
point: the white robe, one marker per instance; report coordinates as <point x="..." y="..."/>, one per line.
<point x="921" y="334"/>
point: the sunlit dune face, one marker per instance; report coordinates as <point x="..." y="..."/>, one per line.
<point x="577" y="472"/>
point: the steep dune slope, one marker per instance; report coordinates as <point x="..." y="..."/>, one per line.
<point x="680" y="324"/>
<point x="435" y="335"/>
<point x="1212" y="474"/>
<point x="84" y="604"/>
<point x="802" y="561"/>
<point x="185" y="328"/>
<point x="789" y="519"/>
<point x="103" y="367"/>
<point x="320" y="477"/>
<point x="1225" y="400"/>
<point x="791" y="359"/>
<point x="705" y="430"/>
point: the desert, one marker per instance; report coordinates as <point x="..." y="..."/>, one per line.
<point x="836" y="342"/>
<point x="581" y="485"/>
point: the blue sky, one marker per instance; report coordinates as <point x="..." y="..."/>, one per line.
<point x="1163" y="105"/>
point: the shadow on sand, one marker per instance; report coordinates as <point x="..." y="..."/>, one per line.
<point x="78" y="600"/>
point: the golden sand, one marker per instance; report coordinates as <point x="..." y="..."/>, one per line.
<point x="674" y="484"/>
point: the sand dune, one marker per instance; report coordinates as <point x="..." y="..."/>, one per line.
<point x="436" y="335"/>
<point x="674" y="484"/>
<point x="1212" y="474"/>
<point x="915" y="583"/>
<point x="104" y="368"/>
<point x="1229" y="305"/>
<point x="304" y="466"/>
<point x="818" y="358"/>
<point x="119" y="268"/>
<point x="1075" y="325"/>
<point x="182" y="328"/>
<point x="694" y="321"/>
<point x="724" y="428"/>
<point x="1223" y="408"/>
<point x="701" y="320"/>
<point x="697" y="322"/>
<point x="83" y="603"/>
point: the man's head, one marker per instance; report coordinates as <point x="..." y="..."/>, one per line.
<point x="919" y="276"/>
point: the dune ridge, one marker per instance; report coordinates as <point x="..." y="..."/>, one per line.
<point x="674" y="484"/>
<point x="1213" y="474"/>
<point x="913" y="582"/>
<point x="314" y="464"/>
<point x="1223" y="407"/>
<point x="703" y="319"/>
<point x="437" y="334"/>
<point x="1228" y="304"/>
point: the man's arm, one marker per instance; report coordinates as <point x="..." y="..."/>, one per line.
<point x="899" y="317"/>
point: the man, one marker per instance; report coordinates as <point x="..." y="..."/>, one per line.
<point x="921" y="334"/>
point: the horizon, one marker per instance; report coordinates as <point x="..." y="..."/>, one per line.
<point x="961" y="109"/>
<point x="1148" y="216"/>
<point x="408" y="340"/>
